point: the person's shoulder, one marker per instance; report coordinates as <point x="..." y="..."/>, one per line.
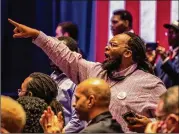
<point x="94" y="128"/>
<point x="147" y="79"/>
<point x="105" y="126"/>
<point x="143" y="76"/>
<point x="66" y="83"/>
<point x="97" y="68"/>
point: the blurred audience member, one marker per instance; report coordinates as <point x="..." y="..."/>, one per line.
<point x="66" y="90"/>
<point x="42" y="86"/>
<point x="68" y="29"/>
<point x="13" y="117"/>
<point x="121" y="21"/>
<point x="151" y="52"/>
<point x="92" y="103"/>
<point x="167" y="113"/>
<point x="34" y="108"/>
<point x="167" y="68"/>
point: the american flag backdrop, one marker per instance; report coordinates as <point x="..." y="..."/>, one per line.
<point x="148" y="20"/>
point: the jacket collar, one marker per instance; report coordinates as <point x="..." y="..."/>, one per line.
<point x="100" y="117"/>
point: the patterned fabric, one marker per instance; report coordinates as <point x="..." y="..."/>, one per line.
<point x="139" y="92"/>
<point x="65" y="96"/>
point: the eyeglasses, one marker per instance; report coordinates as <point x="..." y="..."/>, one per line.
<point x="20" y="91"/>
<point x="116" y="45"/>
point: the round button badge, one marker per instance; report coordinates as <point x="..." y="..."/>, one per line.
<point x="122" y="95"/>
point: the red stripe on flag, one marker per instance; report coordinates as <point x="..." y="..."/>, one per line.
<point x="101" y="28"/>
<point x="162" y="17"/>
<point x="134" y="8"/>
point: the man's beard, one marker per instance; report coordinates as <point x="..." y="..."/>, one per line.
<point x="112" y="65"/>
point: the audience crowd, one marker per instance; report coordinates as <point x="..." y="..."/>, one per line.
<point x="135" y="88"/>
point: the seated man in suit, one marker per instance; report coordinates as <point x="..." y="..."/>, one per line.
<point x="92" y="102"/>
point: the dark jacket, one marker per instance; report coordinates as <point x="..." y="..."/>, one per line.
<point x="169" y="71"/>
<point x="103" y="123"/>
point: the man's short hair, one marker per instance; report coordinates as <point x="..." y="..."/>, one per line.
<point x="124" y="15"/>
<point x="13" y="116"/>
<point x="34" y="108"/>
<point x="171" y="100"/>
<point x="70" y="28"/>
<point x="70" y="42"/>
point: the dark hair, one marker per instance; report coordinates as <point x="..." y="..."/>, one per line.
<point x="34" y="108"/>
<point x="138" y="48"/>
<point x="57" y="107"/>
<point x="70" y="43"/>
<point x="70" y="28"/>
<point x="42" y="86"/>
<point x="124" y="15"/>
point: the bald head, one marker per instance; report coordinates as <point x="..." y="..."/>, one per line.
<point x="97" y="87"/>
<point x="13" y="116"/>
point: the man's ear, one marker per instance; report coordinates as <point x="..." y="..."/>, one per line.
<point x="91" y="101"/>
<point x="126" y="23"/>
<point x="172" y="121"/>
<point x="128" y="54"/>
<point x="66" y="34"/>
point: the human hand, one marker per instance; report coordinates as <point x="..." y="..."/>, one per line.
<point x="61" y="121"/>
<point x="151" y="127"/>
<point x="50" y="122"/>
<point x="140" y="123"/>
<point x="22" y="31"/>
<point x="162" y="52"/>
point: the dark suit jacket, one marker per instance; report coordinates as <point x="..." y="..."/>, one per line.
<point x="103" y="123"/>
<point x="169" y="71"/>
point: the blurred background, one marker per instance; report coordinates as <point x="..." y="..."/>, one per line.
<point x="20" y="57"/>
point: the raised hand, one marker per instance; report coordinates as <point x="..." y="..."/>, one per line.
<point x="162" y="51"/>
<point x="50" y="122"/>
<point x="60" y="120"/>
<point x="22" y="31"/>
